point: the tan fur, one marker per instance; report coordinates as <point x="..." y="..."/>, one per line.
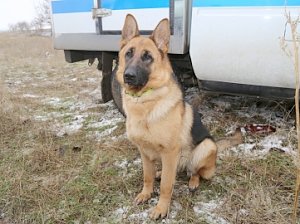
<point x="159" y="123"/>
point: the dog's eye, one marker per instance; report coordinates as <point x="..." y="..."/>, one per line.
<point x="129" y="53"/>
<point x="147" y="57"/>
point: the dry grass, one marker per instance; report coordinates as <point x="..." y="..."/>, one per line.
<point x="293" y="22"/>
<point x="78" y="177"/>
<point x="45" y="178"/>
<point x="256" y="196"/>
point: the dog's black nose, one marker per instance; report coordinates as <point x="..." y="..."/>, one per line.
<point x="130" y="77"/>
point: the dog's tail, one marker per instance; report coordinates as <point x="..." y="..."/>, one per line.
<point x="230" y="141"/>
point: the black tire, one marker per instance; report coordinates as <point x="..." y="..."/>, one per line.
<point x="116" y="90"/>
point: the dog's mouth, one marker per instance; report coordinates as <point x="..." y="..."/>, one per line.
<point x="134" y="85"/>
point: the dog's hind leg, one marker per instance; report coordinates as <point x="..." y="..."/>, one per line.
<point x="203" y="162"/>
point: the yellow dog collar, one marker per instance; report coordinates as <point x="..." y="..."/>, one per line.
<point x="140" y="93"/>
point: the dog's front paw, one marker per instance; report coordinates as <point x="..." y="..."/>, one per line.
<point x="159" y="211"/>
<point x="142" y="197"/>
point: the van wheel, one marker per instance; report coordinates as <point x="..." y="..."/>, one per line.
<point x="116" y="90"/>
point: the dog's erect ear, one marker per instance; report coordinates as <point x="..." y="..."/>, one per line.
<point x="130" y="29"/>
<point x="161" y="35"/>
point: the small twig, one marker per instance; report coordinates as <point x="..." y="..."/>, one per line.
<point x="295" y="40"/>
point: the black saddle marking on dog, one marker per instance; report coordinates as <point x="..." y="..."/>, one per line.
<point x="199" y="131"/>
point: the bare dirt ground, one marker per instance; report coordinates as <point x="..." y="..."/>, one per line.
<point x="64" y="157"/>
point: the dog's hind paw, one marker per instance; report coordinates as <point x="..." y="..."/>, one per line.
<point x="194" y="183"/>
<point x="142" y="197"/>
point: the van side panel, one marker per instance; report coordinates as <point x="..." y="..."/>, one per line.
<point x="239" y="42"/>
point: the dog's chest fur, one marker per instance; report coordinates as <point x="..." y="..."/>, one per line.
<point x="157" y="126"/>
<point x="146" y="138"/>
<point x="155" y="135"/>
<point x="153" y="124"/>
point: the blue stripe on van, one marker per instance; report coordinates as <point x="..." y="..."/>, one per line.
<point x="70" y="6"/>
<point x="134" y="4"/>
<point x="244" y="3"/>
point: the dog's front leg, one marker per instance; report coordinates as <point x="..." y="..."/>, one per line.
<point x="149" y="174"/>
<point x="169" y="167"/>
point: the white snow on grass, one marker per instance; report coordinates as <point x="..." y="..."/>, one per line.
<point x="175" y="207"/>
<point x="68" y="103"/>
<point x="276" y="141"/>
<point x="54" y="101"/>
<point x="92" y="80"/>
<point x="206" y="210"/>
<point x="102" y="135"/>
<point x="108" y="122"/>
<point x="261" y="147"/>
<point x="77" y="111"/>
<point x="72" y="127"/>
<point x="28" y="95"/>
<point x="137" y="161"/>
<point x="123" y="164"/>
<point x="41" y="117"/>
<point x="142" y="216"/>
<point x="121" y="213"/>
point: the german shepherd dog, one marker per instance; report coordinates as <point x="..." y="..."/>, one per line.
<point x="158" y="121"/>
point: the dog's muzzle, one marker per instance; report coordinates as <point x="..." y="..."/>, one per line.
<point x="135" y="77"/>
<point x="130" y="77"/>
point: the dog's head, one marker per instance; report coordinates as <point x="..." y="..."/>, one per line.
<point x="143" y="61"/>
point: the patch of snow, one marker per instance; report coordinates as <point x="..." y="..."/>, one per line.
<point x="109" y="120"/>
<point x="206" y="210"/>
<point x="28" y="95"/>
<point x="105" y="122"/>
<point x="54" y="101"/>
<point x="243" y="212"/>
<point x="73" y="126"/>
<point x="137" y="161"/>
<point x="123" y="164"/>
<point x="51" y="115"/>
<point x="100" y="135"/>
<point x="121" y="213"/>
<point x="275" y="141"/>
<point x="40" y="117"/>
<point x="142" y="216"/>
<point x="69" y="103"/>
<point x="82" y="106"/>
<point x="175" y="207"/>
<point x="262" y="147"/>
<point x="28" y="151"/>
<point x="92" y="80"/>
